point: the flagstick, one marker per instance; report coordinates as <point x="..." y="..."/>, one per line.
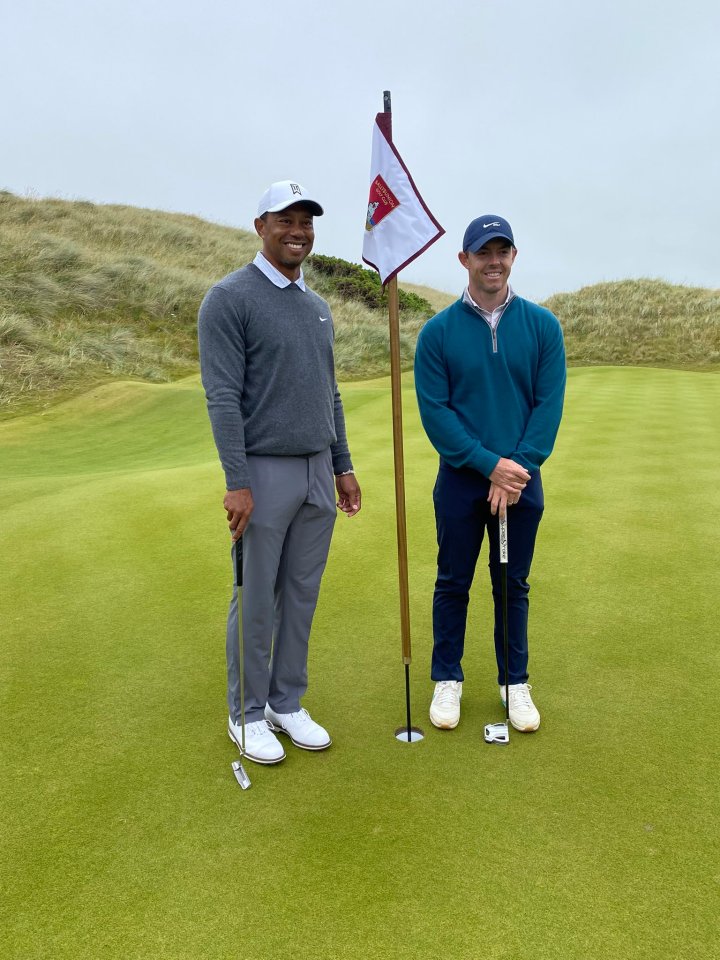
<point x="395" y="379"/>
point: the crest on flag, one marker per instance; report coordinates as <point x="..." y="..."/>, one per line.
<point x="382" y="202"/>
<point x="411" y="229"/>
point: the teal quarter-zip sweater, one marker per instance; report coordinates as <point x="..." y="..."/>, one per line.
<point x="487" y="394"/>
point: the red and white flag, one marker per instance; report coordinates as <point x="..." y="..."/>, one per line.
<point x="398" y="227"/>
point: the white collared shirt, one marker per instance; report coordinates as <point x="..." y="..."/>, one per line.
<point x="492" y="316"/>
<point x="274" y="275"/>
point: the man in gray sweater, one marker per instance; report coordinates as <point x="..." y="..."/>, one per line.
<point x="266" y="357"/>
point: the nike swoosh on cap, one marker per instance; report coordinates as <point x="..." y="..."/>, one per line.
<point x="486" y="225"/>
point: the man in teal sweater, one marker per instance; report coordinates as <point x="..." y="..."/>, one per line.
<point x="490" y="381"/>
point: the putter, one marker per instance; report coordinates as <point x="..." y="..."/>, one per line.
<point x="240" y="775"/>
<point x="500" y="732"/>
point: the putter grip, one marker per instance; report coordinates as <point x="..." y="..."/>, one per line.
<point x="237" y="562"/>
<point x="503" y="540"/>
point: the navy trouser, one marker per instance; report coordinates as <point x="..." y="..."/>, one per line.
<point x="462" y="514"/>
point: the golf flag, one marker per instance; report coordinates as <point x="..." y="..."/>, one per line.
<point x="398" y="226"/>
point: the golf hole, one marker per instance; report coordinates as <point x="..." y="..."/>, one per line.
<point x="416" y="734"/>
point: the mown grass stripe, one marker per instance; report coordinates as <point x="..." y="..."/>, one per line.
<point x="123" y="829"/>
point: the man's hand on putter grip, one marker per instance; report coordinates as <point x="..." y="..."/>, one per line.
<point x="510" y="476"/>
<point x="238" y="505"/>
<point x="500" y="500"/>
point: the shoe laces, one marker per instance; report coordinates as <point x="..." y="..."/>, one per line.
<point x="300" y="716"/>
<point x="258" y="728"/>
<point x="447" y="693"/>
<point x="520" y="696"/>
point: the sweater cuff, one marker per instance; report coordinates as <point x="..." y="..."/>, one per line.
<point x="239" y="481"/>
<point x="485" y="462"/>
<point x="342" y="463"/>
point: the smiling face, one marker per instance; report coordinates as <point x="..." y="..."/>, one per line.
<point x="287" y="238"/>
<point x="488" y="271"/>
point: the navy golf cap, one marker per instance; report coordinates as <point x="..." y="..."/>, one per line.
<point x="486" y="228"/>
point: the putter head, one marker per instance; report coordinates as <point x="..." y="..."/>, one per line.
<point x="497" y="733"/>
<point x="242" y="778"/>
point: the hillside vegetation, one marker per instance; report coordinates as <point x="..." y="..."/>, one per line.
<point x="641" y="323"/>
<point x="93" y="292"/>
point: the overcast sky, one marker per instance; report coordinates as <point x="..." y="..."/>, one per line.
<point x="594" y="128"/>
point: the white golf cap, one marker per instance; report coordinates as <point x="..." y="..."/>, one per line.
<point x="284" y="194"/>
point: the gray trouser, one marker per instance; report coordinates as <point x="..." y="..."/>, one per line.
<point x="285" y="548"/>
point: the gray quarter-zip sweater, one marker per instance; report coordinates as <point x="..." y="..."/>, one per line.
<point x="267" y="366"/>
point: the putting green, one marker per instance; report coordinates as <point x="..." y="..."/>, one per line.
<point x="124" y="833"/>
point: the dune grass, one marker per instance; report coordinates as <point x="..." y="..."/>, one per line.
<point x="90" y="293"/>
<point x="124" y="833"/>
<point x="93" y="293"/>
<point x="641" y="323"/>
<point x="439" y="299"/>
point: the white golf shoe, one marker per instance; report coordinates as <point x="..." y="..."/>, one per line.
<point x="445" y="706"/>
<point x="524" y="715"/>
<point x="300" y="727"/>
<point x="261" y="744"/>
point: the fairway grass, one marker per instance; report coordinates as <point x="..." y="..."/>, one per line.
<point x="124" y="833"/>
